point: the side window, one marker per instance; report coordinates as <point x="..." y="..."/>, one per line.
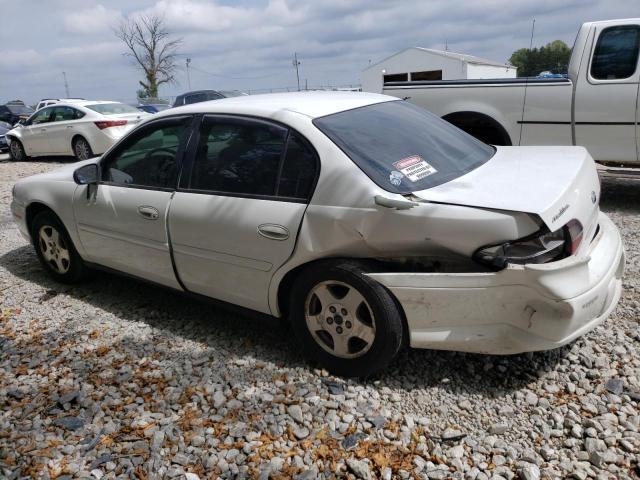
<point x="616" y="53"/>
<point x="63" y="114"/>
<point x="298" y="170"/>
<point x="41" y="116"/>
<point x="148" y="158"/>
<point x="238" y="157"/>
<point x="77" y="114"/>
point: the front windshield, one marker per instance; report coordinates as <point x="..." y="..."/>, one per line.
<point x="404" y="148"/>
<point x="112" y="108"/>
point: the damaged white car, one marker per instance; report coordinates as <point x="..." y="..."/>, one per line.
<point x="364" y="220"/>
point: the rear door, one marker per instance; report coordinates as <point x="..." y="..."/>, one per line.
<point x="235" y="218"/>
<point x="63" y="127"/>
<point x="122" y="222"/>
<point x="606" y="94"/>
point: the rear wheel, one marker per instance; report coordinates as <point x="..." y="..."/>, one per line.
<point x="345" y="321"/>
<point x="82" y="149"/>
<point x="16" y="150"/>
<point x="55" y="249"/>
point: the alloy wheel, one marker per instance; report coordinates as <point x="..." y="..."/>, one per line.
<point x="82" y="149"/>
<point x="16" y="151"/>
<point x="339" y="319"/>
<point x="54" y="249"/>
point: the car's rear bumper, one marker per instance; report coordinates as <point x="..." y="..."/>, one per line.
<point x="519" y="309"/>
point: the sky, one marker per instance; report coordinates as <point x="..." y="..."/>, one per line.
<point x="249" y="44"/>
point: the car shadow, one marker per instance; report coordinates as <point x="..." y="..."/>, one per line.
<point x="267" y="339"/>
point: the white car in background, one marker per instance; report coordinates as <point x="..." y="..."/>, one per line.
<point x="363" y="219"/>
<point x="82" y="128"/>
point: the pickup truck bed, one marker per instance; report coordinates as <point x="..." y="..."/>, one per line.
<point x="473" y="104"/>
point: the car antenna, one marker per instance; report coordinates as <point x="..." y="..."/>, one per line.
<point x="526" y="83"/>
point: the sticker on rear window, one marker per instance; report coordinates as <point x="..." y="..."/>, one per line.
<point x="414" y="168"/>
<point x="395" y="177"/>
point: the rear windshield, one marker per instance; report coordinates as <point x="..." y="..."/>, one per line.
<point x="112" y="108"/>
<point x="404" y="148"/>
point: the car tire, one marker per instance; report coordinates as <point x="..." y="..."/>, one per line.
<point x="17" y="152"/>
<point x="55" y="249"/>
<point x="345" y="321"/>
<point x="82" y="149"/>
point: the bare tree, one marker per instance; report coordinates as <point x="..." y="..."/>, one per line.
<point x="151" y="46"/>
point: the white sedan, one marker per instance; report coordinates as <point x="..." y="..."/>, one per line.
<point x="79" y="128"/>
<point x="364" y="220"/>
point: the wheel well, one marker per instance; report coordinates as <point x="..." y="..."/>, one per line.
<point x="284" y="290"/>
<point x="34" y="209"/>
<point x="75" y="138"/>
<point x="481" y="126"/>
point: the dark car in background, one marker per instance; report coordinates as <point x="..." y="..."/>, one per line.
<point x="198" y="96"/>
<point x="153" y="107"/>
<point x="13" y="112"/>
<point x="4" y="128"/>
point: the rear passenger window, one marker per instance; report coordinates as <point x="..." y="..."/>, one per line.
<point x="616" y="53"/>
<point x="298" y="170"/>
<point x="238" y="157"/>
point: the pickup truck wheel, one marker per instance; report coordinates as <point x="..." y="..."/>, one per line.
<point x="55" y="249"/>
<point x="82" y="149"/>
<point x="345" y="321"/>
<point x="16" y="151"/>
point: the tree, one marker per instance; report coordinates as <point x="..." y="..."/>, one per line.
<point x="151" y="46"/>
<point x="554" y="57"/>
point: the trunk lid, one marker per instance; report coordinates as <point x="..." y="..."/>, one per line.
<point x="556" y="183"/>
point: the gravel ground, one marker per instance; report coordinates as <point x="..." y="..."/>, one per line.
<point x="119" y="379"/>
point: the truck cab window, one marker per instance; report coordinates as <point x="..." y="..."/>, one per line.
<point x="616" y="54"/>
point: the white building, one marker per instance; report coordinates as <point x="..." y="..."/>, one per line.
<point x="417" y="63"/>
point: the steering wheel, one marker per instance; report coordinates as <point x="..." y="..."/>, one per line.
<point x="165" y="166"/>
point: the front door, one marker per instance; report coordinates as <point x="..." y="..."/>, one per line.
<point x="35" y="133"/>
<point x="235" y="217"/>
<point x="606" y="94"/>
<point x="122" y="222"/>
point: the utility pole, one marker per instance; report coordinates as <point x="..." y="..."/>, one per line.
<point x="295" y="64"/>
<point x="66" y="84"/>
<point x="188" y="73"/>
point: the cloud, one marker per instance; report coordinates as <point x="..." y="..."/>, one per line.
<point x="249" y="44"/>
<point x="91" y="20"/>
<point x="19" y="60"/>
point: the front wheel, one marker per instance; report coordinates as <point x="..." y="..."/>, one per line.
<point x="345" y="321"/>
<point x="82" y="149"/>
<point x="16" y="150"/>
<point x="55" y="250"/>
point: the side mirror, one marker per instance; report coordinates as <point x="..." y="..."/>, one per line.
<point x="86" y="175"/>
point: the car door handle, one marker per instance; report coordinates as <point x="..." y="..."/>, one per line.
<point x="69" y="126"/>
<point x="148" y="212"/>
<point x="43" y="129"/>
<point x="273" y="231"/>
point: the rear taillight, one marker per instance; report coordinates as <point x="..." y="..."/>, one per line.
<point x="102" y="124"/>
<point x="541" y="247"/>
<point x="574" y="233"/>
